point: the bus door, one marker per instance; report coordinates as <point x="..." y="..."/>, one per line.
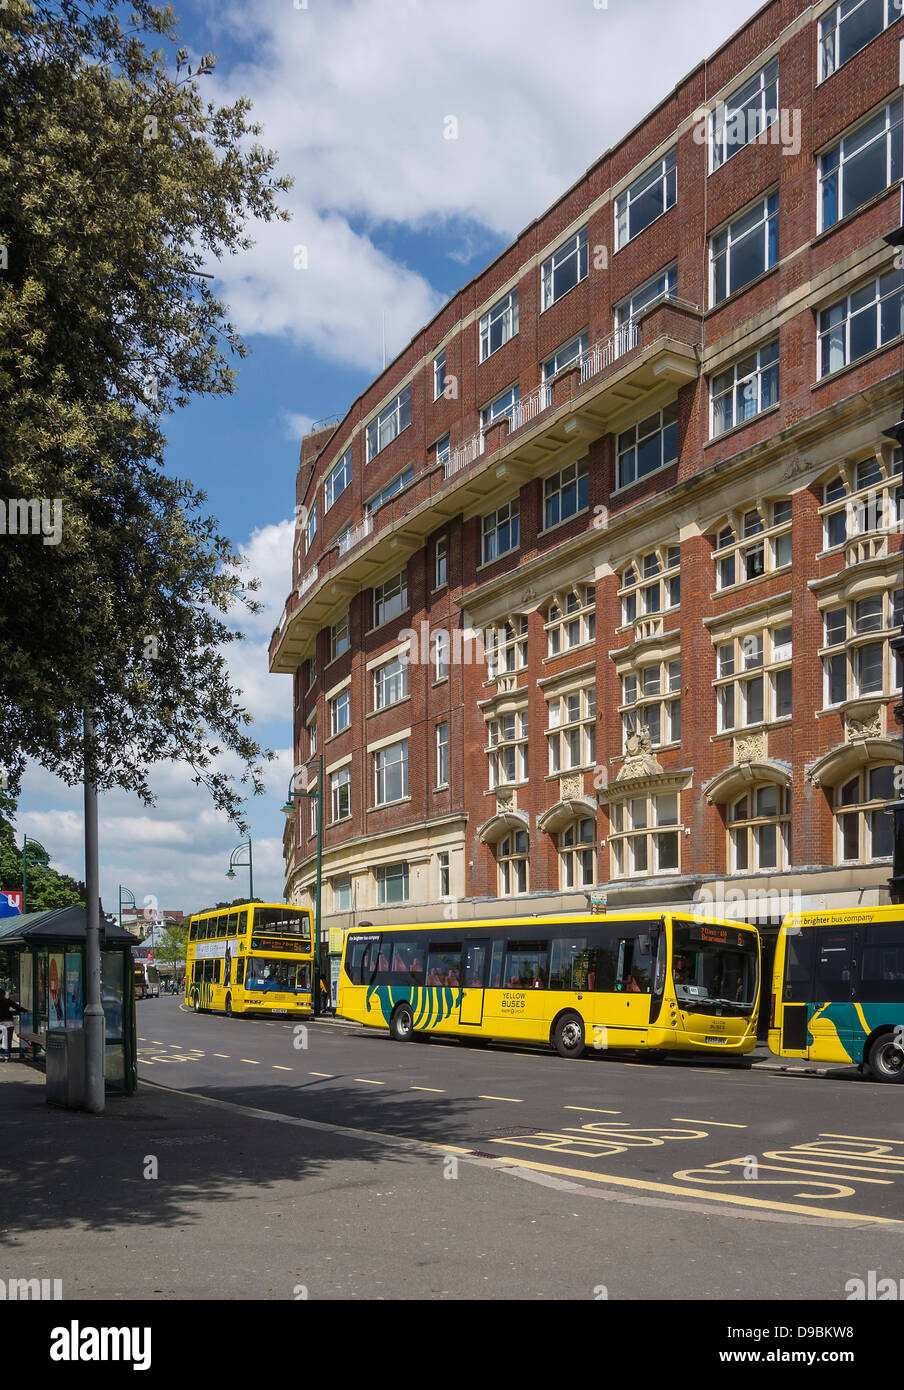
<point x="474" y="960"/>
<point x="628" y="1006"/>
<point x="833" y="988"/>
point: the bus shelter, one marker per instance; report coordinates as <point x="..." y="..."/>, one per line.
<point x="42" y="967"/>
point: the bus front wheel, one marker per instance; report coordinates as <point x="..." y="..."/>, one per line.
<point x="197" y="1003"/>
<point x="886" y="1060"/>
<point x="401" y="1025"/>
<point x="568" y="1036"/>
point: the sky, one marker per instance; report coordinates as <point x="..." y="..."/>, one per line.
<point x="393" y="216"/>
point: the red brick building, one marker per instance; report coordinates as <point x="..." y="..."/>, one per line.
<point x="593" y="586"/>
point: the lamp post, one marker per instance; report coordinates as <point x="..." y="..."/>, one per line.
<point x="235" y="861"/>
<point x="896" y="807"/>
<point x="41" y="858"/>
<point x="128" y="892"/>
<point x="289" y="810"/>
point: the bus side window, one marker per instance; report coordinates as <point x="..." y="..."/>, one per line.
<point x="240" y="971"/>
<point x="193" y="932"/>
<point x="798" y="966"/>
<point x="833" y="965"/>
<point x="216" y="970"/>
<point x="495" y="980"/>
<point x="199" y="971"/>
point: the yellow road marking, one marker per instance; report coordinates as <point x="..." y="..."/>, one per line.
<point x="276" y="1068"/>
<point x="225" y="1055"/>
<point x="320" y="1073"/>
<point x="250" y="1060"/>
<point x="867" y="1139"/>
<point x="435" y="1089"/>
<point x="158" y="1043"/>
<point x="512" y="1100"/>
<point x="591" y="1110"/>
<point x="196" y="1049"/>
<point x="364" y="1081"/>
<point x="717" y="1124"/>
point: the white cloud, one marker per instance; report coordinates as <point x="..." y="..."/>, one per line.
<point x="358" y="100"/>
<point x="295" y="426"/>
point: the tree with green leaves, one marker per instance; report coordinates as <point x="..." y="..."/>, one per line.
<point x="171" y="946"/>
<point x="46" y="887"/>
<point x="121" y="187"/>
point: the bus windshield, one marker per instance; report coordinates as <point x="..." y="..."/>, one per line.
<point x="264" y="972"/>
<point x="714" y="965"/>
<point x="282" y="919"/>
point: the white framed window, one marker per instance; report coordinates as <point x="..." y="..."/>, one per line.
<point x="857" y="658"/>
<point x="501" y="531"/>
<point x="342" y="893"/>
<point x="506" y="403"/>
<point x="566" y="267"/>
<point x="440" y="562"/>
<point x="862" y="321"/>
<point x="312" y="735"/>
<point x="312" y="672"/>
<point x="390" y="683"/>
<point x="389" y="424"/>
<point x="506" y="646"/>
<point x="340" y="712"/>
<point x="392" y="884"/>
<point x="646" y="836"/>
<point x="440" y="644"/>
<point x="744" y="115"/>
<point x="651" y="700"/>
<point x="571" y="730"/>
<point x="651" y="584"/>
<point x="863" y="499"/>
<point x="512" y="861"/>
<point x="499" y="325"/>
<point x="752" y="543"/>
<point x="744" y="249"/>
<point x="646" y="447"/>
<point x="391" y="598"/>
<point x="340" y="638"/>
<point x="577" y="854"/>
<point x="862" y="164"/>
<point x="337" y="480"/>
<point x="571" y="619"/>
<point x="744" y="389"/>
<point x="310" y="530"/>
<point x="442" y="755"/>
<point x="391" y="773"/>
<point x="390" y="489"/>
<point x="864" y="830"/>
<point x="848" y="27"/>
<point x="445" y="881"/>
<point x="753" y="678"/>
<point x="507" y="749"/>
<point x="341" y="793"/>
<point x="442" y="449"/>
<point x="566" y="493"/>
<point x="661" y="286"/>
<point x="573" y="351"/>
<point x="648" y="197"/>
<point x="439" y="374"/>
<point x="759" y="829"/>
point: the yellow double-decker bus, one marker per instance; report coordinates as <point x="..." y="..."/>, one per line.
<point x="838" y="989"/>
<point x="256" y="959"/>
<point x="654" y="984"/>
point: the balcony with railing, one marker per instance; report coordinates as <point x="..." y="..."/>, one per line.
<point x="637" y="364"/>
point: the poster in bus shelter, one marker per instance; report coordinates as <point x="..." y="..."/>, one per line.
<point x="55" y="987"/>
<point x="25" y="998"/>
<point x="74" y="989"/>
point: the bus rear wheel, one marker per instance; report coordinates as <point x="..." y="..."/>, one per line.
<point x="568" y="1036"/>
<point x="886" y="1060"/>
<point x="401" y="1025"/>
<point x="197" y="1003"/>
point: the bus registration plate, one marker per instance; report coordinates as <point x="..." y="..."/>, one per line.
<point x="279" y="1011"/>
<point x="718" y="1039"/>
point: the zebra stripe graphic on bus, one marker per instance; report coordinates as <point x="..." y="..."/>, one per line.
<point x="429" y="1006"/>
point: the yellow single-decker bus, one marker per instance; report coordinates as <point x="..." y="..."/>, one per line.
<point x="652" y="983"/>
<point x="255" y="959"/>
<point x="838" y="989"/>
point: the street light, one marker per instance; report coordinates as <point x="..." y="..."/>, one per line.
<point x="133" y="903"/>
<point x="896" y="808"/>
<point x="289" y="810"/>
<point x="41" y="858"/>
<point x="234" y="860"/>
